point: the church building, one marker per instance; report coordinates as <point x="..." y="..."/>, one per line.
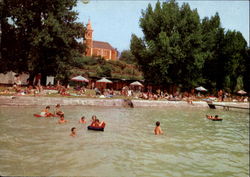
<point x="98" y="48"/>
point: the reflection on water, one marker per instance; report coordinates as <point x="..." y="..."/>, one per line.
<point x="191" y="146"/>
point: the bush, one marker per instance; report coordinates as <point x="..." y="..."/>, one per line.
<point x="98" y="67"/>
<point x="99" y="71"/>
<point x="81" y="62"/>
<point x="106" y="71"/>
<point x="119" y="64"/>
<point x="128" y="71"/>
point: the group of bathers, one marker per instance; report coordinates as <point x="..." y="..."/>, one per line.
<point x="96" y="123"/>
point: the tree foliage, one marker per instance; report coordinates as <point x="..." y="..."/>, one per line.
<point x="128" y="57"/>
<point x="246" y="74"/>
<point x="171" y="50"/>
<point x="178" y="48"/>
<point x="39" y="36"/>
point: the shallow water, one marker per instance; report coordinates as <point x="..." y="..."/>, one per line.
<point x="191" y="145"/>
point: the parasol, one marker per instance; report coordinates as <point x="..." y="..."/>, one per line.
<point x="80" y="79"/>
<point x="200" y="89"/>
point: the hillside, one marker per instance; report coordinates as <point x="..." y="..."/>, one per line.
<point x="97" y="67"/>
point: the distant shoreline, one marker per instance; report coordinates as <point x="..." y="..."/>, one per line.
<point x="43" y="101"/>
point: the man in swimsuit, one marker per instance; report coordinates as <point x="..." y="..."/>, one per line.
<point x="157" y="129"/>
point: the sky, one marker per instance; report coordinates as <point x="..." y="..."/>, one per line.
<point x="114" y="21"/>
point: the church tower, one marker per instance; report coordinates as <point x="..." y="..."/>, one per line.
<point x="98" y="48"/>
<point x="89" y="39"/>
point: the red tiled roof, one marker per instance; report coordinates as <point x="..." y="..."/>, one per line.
<point x="102" y="45"/>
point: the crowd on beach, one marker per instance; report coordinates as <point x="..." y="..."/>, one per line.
<point x="127" y="92"/>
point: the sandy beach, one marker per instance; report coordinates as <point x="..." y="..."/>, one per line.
<point x="38" y="101"/>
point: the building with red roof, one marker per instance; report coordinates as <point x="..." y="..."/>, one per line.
<point x="98" y="48"/>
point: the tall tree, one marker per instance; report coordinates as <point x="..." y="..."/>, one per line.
<point x="40" y="36"/>
<point x="246" y="75"/>
<point x="233" y="58"/>
<point x="212" y="37"/>
<point x="171" y="50"/>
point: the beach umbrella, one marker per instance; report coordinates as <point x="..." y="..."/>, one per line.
<point x="136" y="83"/>
<point x="104" y="80"/>
<point x="200" y="89"/>
<point x="242" y="92"/>
<point x="80" y="79"/>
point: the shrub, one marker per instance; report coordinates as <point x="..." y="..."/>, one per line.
<point x="128" y="71"/>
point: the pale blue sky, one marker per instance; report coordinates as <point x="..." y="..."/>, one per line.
<point x="114" y="21"/>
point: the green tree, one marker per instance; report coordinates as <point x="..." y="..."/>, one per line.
<point x="40" y="36"/>
<point x="103" y="71"/>
<point x="128" y="57"/>
<point x="232" y="57"/>
<point x="227" y="84"/>
<point x="171" y="50"/>
<point x="212" y="38"/>
<point x="239" y="84"/>
<point x="246" y="74"/>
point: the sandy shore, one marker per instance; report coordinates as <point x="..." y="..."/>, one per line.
<point x="38" y="101"/>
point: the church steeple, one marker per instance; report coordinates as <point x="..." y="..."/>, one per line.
<point x="89" y="38"/>
<point x="97" y="48"/>
<point x="89" y="27"/>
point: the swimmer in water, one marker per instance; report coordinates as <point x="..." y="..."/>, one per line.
<point x="99" y="124"/>
<point x="58" y="110"/>
<point x="73" y="132"/>
<point x="82" y="120"/>
<point x="62" y="120"/>
<point x="157" y="129"/>
<point x="93" y="123"/>
<point x="45" y="112"/>
<point x="211" y="117"/>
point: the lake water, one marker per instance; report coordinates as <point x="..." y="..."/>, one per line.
<point x="191" y="145"/>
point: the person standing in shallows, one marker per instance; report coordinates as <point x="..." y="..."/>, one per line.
<point x="158" y="130"/>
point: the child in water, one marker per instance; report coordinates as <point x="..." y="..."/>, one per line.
<point x="45" y="112"/>
<point x="82" y="120"/>
<point x="96" y="123"/>
<point x="58" y="110"/>
<point x="158" y="130"/>
<point x="93" y="121"/>
<point x="99" y="124"/>
<point x="73" y="132"/>
<point x="62" y="120"/>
